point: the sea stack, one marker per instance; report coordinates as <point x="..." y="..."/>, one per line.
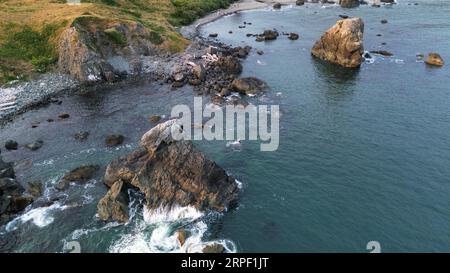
<point x="342" y="44"/>
<point x="170" y="173"/>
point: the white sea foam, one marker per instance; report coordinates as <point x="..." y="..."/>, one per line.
<point x="41" y="217"/>
<point x="157" y="233"/>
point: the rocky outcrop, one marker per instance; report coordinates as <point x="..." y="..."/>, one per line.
<point x="95" y="49"/>
<point x="349" y="3"/>
<point x="12" y="198"/>
<point x="173" y="173"/>
<point x="249" y="85"/>
<point x="434" y="59"/>
<point x="80" y="174"/>
<point x="114" y="205"/>
<point x="342" y="44"/>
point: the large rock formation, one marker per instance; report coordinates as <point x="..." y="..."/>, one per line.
<point x="434" y="59"/>
<point x="113" y="206"/>
<point x="172" y="173"/>
<point x="95" y="49"/>
<point x="342" y="44"/>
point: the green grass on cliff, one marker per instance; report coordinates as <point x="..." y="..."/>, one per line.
<point x="187" y="11"/>
<point x="30" y="30"/>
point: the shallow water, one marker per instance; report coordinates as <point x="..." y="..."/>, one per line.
<point x="363" y="154"/>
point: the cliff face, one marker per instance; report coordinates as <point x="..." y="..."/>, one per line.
<point x="95" y="49"/>
<point x="171" y="173"/>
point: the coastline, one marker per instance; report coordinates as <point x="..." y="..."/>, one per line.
<point x="48" y="87"/>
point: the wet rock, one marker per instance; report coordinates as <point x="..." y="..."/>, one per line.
<point x="382" y="53"/>
<point x="12" y="200"/>
<point x="218" y="100"/>
<point x="154" y="118"/>
<point x="177" y="84"/>
<point x="260" y="52"/>
<point x="114" y="205"/>
<point x="343" y="16"/>
<point x="82" y="135"/>
<point x="342" y="44"/>
<point x="81" y="174"/>
<point x="293" y="36"/>
<point x="213" y="248"/>
<point x="181" y="236"/>
<point x="277" y="6"/>
<point x="384" y="21"/>
<point x="268" y="35"/>
<point x="6" y="169"/>
<point x="11" y="145"/>
<point x="300" y="2"/>
<point x="213" y="35"/>
<point x="171" y="172"/>
<point x="195" y="82"/>
<point x="64" y="115"/>
<point x="229" y="64"/>
<point x="62" y="185"/>
<point x="35" y="145"/>
<point x="225" y="92"/>
<point x="35" y="188"/>
<point x="434" y="59"/>
<point x="114" y="140"/>
<point x="249" y="85"/>
<point x="349" y="3"/>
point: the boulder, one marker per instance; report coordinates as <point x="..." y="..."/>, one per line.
<point x="213" y="248"/>
<point x="181" y="236"/>
<point x="300" y="2"/>
<point x="382" y="53"/>
<point x="114" y="205"/>
<point x="342" y="44"/>
<point x="154" y="118"/>
<point x="12" y="200"/>
<point x="349" y="3"/>
<point x="11" y="145"/>
<point x="35" y="145"/>
<point x="277" y="6"/>
<point x="434" y="59"/>
<point x="35" y="188"/>
<point x="6" y="169"/>
<point x="173" y="173"/>
<point x="248" y="85"/>
<point x="64" y="116"/>
<point x="114" y="140"/>
<point x="81" y="174"/>
<point x="267" y="35"/>
<point x="229" y="64"/>
<point x="199" y="71"/>
<point x="293" y="36"/>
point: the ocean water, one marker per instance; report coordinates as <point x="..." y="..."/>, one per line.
<point x="364" y="154"/>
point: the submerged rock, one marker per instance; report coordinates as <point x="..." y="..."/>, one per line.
<point x="434" y="59"/>
<point x="293" y="36"/>
<point x="173" y="173"/>
<point x="35" y="145"/>
<point x="82" y="135"/>
<point x="249" y="85"/>
<point x="114" y="205"/>
<point x="382" y="52"/>
<point x="342" y="44"/>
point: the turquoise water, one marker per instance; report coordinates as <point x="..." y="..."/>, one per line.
<point x="364" y="155"/>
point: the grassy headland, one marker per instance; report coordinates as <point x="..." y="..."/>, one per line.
<point x="30" y="29"/>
